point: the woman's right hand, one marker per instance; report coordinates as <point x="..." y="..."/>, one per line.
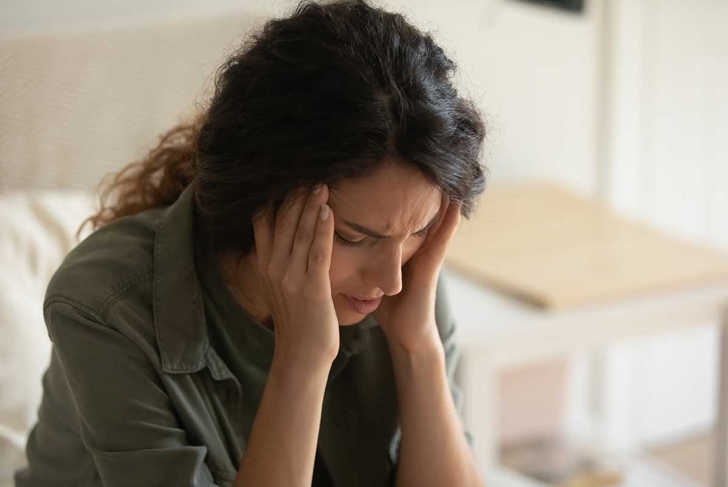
<point x="293" y="253"/>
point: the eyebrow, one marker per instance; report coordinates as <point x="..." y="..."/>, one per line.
<point x="372" y="233"/>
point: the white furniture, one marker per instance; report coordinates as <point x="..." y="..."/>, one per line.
<point x="584" y="278"/>
<point x="512" y="334"/>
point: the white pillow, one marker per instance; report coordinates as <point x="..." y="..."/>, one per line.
<point x="37" y="230"/>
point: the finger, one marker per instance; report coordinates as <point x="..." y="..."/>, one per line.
<point x="447" y="228"/>
<point x="443" y="230"/>
<point x="319" y="257"/>
<point x="306" y="231"/>
<point x="452" y="219"/>
<point x="286" y="223"/>
<point x="263" y="227"/>
<point x="431" y="234"/>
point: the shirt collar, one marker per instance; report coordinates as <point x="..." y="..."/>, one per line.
<point x="179" y="313"/>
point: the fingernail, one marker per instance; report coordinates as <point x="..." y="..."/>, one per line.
<point x="324" y="212"/>
<point x="317" y="189"/>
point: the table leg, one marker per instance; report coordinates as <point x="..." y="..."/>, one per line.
<point x="720" y="465"/>
<point x="478" y="379"/>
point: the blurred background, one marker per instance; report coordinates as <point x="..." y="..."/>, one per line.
<point x="622" y="103"/>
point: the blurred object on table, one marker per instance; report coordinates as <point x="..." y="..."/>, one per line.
<point x="564" y="463"/>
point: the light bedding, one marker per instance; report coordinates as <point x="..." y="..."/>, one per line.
<point x="38" y="230"/>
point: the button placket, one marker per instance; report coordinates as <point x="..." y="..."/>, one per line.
<point x="229" y="392"/>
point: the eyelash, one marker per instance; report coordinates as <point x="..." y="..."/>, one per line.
<point x="349" y="243"/>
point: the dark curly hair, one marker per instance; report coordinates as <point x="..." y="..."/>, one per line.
<point x="323" y="95"/>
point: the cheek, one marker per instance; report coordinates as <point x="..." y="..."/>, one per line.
<point x="343" y="276"/>
<point x="344" y="264"/>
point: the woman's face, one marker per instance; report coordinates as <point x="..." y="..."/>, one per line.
<point x="385" y="216"/>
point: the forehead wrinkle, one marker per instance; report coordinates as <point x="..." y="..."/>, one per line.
<point x="389" y="227"/>
<point x="414" y="215"/>
<point x="397" y="195"/>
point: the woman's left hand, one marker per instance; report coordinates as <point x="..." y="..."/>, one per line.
<point x="408" y="318"/>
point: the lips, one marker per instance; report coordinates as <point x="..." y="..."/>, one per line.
<point x="363" y="306"/>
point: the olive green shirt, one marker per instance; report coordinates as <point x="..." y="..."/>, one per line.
<point x="156" y="372"/>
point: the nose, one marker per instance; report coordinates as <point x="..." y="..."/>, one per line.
<point x="385" y="271"/>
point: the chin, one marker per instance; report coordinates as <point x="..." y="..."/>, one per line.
<point x="348" y="318"/>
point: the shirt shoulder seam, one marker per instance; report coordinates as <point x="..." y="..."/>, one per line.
<point x="121" y="288"/>
<point x="58" y="298"/>
<point x="125" y="286"/>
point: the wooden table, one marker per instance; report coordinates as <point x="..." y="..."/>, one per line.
<point x="538" y="272"/>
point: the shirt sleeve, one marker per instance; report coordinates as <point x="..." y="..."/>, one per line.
<point x="125" y="417"/>
<point x="447" y="328"/>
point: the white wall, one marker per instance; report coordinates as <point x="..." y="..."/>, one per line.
<point x="533" y="70"/>
<point x="19" y="16"/>
<point x="667" y="161"/>
<point x="670" y="91"/>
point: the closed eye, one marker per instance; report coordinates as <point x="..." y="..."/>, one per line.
<point x="349" y="243"/>
<point x="358" y="243"/>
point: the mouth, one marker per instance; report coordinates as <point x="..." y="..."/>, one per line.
<point x="362" y="306"/>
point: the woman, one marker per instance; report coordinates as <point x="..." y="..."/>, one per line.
<point x="261" y="305"/>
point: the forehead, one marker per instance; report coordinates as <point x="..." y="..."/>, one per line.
<point x="395" y="198"/>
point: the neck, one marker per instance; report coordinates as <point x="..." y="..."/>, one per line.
<point x="243" y="281"/>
